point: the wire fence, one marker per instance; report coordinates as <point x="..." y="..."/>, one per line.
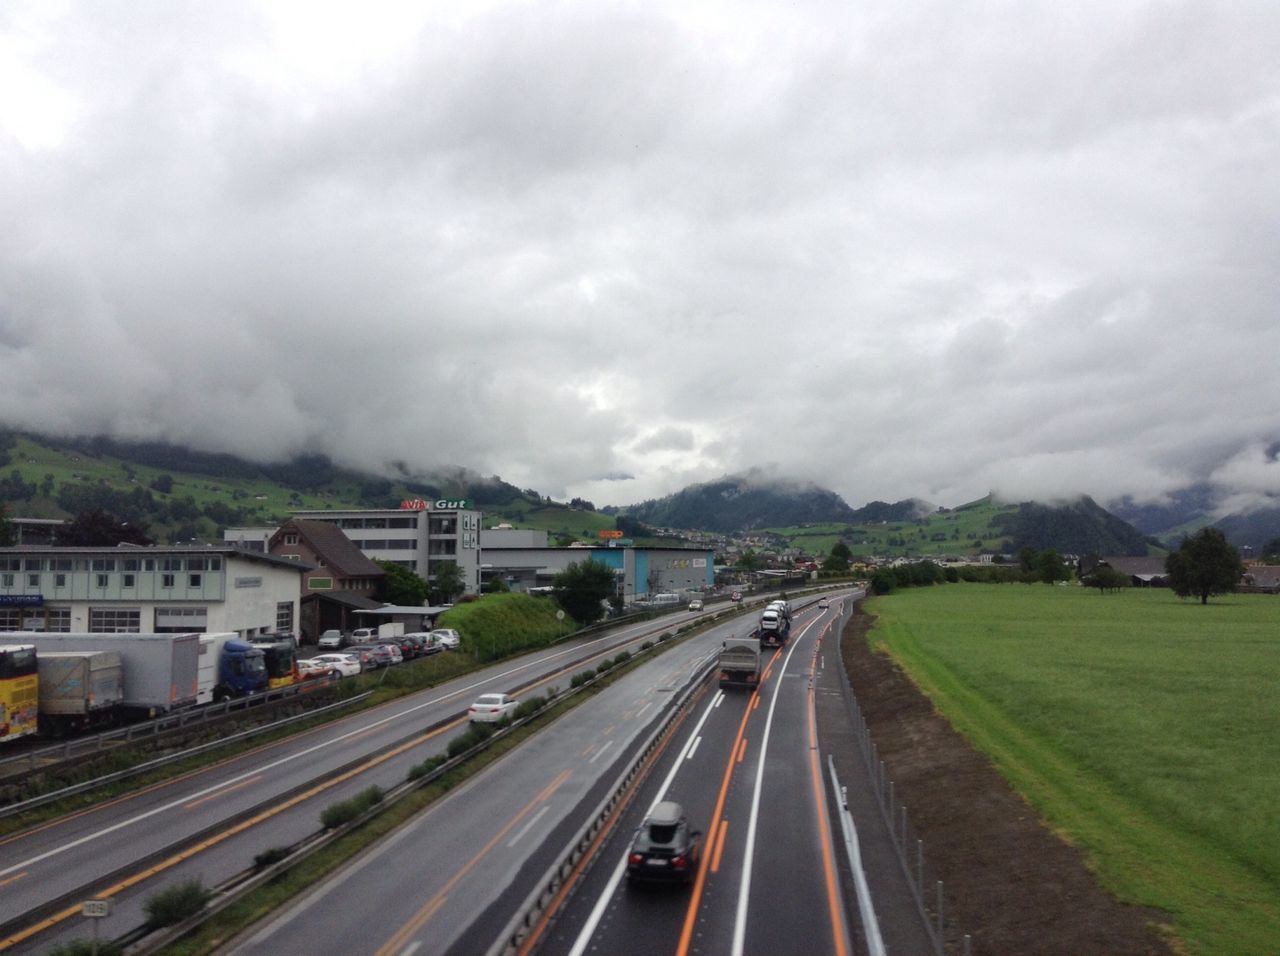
<point x="926" y="884"/>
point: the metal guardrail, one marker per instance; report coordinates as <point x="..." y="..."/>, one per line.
<point x="75" y="747"/>
<point x="53" y="796"/>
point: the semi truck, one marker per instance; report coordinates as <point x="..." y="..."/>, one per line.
<point x="739" y="662"/>
<point x="161" y="671"/>
<point x="280" y="657"/>
<point x="78" y="689"/>
<point x="229" y="667"/>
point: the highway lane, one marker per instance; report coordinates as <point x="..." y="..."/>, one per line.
<point x="450" y="880"/>
<point x="275" y="786"/>
<point x="745" y="773"/>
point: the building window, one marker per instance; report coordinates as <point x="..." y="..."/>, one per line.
<point x="10" y="619"/>
<point x="448" y="547"/>
<point x="166" y="580"/>
<point x="101" y="580"/>
<point x="170" y="564"/>
<point x="443" y="526"/>
<point x="402" y="522"/>
<point x="128" y="580"/>
<point x="215" y="564"/>
<point x="103" y="564"/>
<point x="320" y="584"/>
<point x="10" y="564"/>
<point x="195" y="564"/>
<point x="401" y="544"/>
<point x="61" y="564"/>
<point x="35" y="564"/>
<point x="130" y="564"/>
<point x="375" y="544"/>
<point x="59" y="580"/>
<point x="375" y="522"/>
<point x="180" y="620"/>
<point x="291" y="539"/>
<point x="6" y="581"/>
<point x="115" y="620"/>
<point x="58" y="619"/>
<point x="284" y="616"/>
<point x="193" y="580"/>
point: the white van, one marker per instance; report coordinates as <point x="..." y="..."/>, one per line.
<point x="364" y="635"/>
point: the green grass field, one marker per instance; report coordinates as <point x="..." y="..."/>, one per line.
<point x="1145" y="729"/>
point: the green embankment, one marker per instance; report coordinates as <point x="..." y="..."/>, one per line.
<point x="501" y="624"/>
<point x="1144" y="728"/>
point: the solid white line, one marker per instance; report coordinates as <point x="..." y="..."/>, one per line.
<point x="597" y="911"/>
<point x="640" y="712"/>
<point x="870" y="924"/>
<point x="528" y="826"/>
<point x="693" y="749"/>
<point x="744" y="890"/>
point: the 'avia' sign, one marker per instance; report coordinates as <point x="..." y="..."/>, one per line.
<point x="440" y="504"/>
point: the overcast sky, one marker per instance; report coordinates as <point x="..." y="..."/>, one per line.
<point x="610" y="249"/>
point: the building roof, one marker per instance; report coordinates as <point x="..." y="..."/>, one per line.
<point x="329" y="542"/>
<point x="53" y="550"/>
<point x="1144" y="567"/>
<point x="350" y="599"/>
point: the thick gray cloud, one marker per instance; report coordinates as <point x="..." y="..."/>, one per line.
<point x="610" y="249"/>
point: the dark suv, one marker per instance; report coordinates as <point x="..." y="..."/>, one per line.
<point x="664" y="847"/>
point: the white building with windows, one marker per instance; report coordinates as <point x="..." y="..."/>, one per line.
<point x="148" y="590"/>
<point x="419" y="535"/>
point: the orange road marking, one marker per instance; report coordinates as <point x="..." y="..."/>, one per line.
<point x="755" y="701"/>
<point x="130" y="881"/>
<point x="742" y="750"/>
<point x="406" y="932"/>
<point x="225" y="790"/>
<point x="531" y="941"/>
<point x="13" y="879"/>
<point x="824" y="828"/>
<point x="715" y="860"/>
<point x="691" y="914"/>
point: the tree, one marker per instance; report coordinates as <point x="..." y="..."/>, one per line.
<point x="6" y="529"/>
<point x="162" y="484"/>
<point x="1105" y="578"/>
<point x="1050" y="568"/>
<point x="1205" y="564"/>
<point x="447" y="580"/>
<point x="402" y="586"/>
<point x="99" y="528"/>
<point x="582" y="588"/>
<point x="750" y="561"/>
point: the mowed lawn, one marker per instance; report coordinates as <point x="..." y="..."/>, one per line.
<point x="1144" y="728"/>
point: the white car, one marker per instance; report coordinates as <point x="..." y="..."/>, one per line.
<point x="447" y="638"/>
<point x="695" y="605"/>
<point x="340" y="665"/>
<point x="491" y="708"/>
<point x="824" y="604"/>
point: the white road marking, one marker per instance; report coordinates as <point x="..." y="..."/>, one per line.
<point x="744" y="889"/>
<point x="597" y="912"/>
<point x="600" y="752"/>
<point x="693" y="749"/>
<point x="528" y="826"/>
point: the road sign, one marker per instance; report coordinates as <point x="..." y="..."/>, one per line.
<point x="95" y="909"/>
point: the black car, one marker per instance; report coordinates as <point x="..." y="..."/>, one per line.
<point x="664" y="848"/>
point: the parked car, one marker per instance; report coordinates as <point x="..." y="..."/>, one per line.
<point x="308" y="669"/>
<point x="337" y="665"/>
<point x="363" y="655"/>
<point x="395" y="654"/>
<point x="413" y="645"/>
<point x="447" y="638"/>
<point x="428" y="641"/>
<point x="491" y="708"/>
<point x="695" y="605"/>
<point x="331" y="640"/>
<point x="364" y="635"/>
<point x="379" y="654"/>
<point x="664" y="848"/>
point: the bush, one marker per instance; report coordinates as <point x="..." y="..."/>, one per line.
<point x="621" y="657"/>
<point x="431" y="764"/>
<point x="646" y="645"/>
<point x="345" y="811"/>
<point x="84" y="947"/>
<point x="176" y="903"/>
<point x="270" y="857"/>
<point x="529" y="707"/>
<point x="665" y="636"/>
